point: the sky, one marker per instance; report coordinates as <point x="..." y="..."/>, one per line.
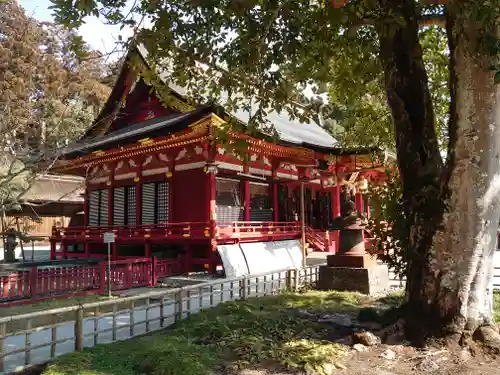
<point x="98" y="35"/>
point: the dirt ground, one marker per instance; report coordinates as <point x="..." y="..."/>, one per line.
<point x="402" y="360"/>
<point x="391" y="354"/>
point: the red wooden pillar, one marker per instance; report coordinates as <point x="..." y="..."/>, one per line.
<point x="138" y="192"/>
<point x="336" y="211"/>
<point x="275" y="195"/>
<point x="211" y="196"/>
<point x="170" y="179"/>
<point x="114" y="251"/>
<point x="110" y="206"/>
<point x="367" y="207"/>
<point x="65" y="250"/>
<point x="153" y="277"/>
<point x="211" y="193"/>
<point x="86" y="206"/>
<point x="336" y="201"/>
<point x="110" y="194"/>
<point x="52" y="249"/>
<point x="210" y="170"/>
<point x="359" y="201"/>
<point x="246" y="196"/>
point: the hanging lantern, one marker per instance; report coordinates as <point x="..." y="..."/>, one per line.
<point x="211" y="168"/>
<point x="363" y="184"/>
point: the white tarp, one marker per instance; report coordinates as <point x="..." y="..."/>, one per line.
<point x="294" y="248"/>
<point x="267" y="257"/>
<point x="233" y="260"/>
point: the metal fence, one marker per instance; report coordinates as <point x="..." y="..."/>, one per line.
<point x="27" y="339"/>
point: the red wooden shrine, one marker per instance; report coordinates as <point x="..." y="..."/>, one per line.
<point x="160" y="177"/>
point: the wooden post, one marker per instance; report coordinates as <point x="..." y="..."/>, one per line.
<point x="65" y="249"/>
<point x="102" y="277"/>
<point x="276" y="206"/>
<point x="153" y="272"/>
<point x="246" y="196"/>
<point x="111" y="191"/>
<point x="336" y="210"/>
<point x="275" y="194"/>
<point x="296" y="280"/>
<point x="52" y="247"/>
<point x="33" y="282"/>
<point x="359" y="201"/>
<point x="110" y="205"/>
<point x="138" y="192"/>
<point x="289" y="280"/>
<point x="336" y="201"/>
<point x="303" y="224"/>
<point x="27" y="342"/>
<point x="79" y="330"/>
<point x="170" y="180"/>
<point x="86" y="206"/>
<point x="3" y="331"/>
<point x="114" y="251"/>
<point x="367" y="206"/>
<point x="178" y="306"/>
<point x="244" y="288"/>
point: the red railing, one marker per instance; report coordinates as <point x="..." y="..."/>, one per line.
<point x="66" y="281"/>
<point x="125" y="232"/>
<point x="252" y="230"/>
<point x="166" y="267"/>
<point x="38" y="284"/>
<point x="320" y="240"/>
<point x="240" y="230"/>
<point x="131" y="273"/>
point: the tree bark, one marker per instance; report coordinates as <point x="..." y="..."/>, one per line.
<point x="453" y="210"/>
<point x="464" y="248"/>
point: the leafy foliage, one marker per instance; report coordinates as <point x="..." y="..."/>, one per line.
<point x="357" y="87"/>
<point x="50" y="91"/>
<point x="389" y="226"/>
<point x="272" y="51"/>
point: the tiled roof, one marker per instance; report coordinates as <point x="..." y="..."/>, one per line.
<point x="51" y="188"/>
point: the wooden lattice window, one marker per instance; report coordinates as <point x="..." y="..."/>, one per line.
<point x="98" y="208"/>
<point x="155" y="202"/>
<point x="130" y="205"/>
<point x="260" y="202"/>
<point x="228" y="206"/>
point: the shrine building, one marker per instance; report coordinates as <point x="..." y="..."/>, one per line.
<point x="160" y="177"/>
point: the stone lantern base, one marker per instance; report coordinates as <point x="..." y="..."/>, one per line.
<point x="372" y="280"/>
<point x="354" y="273"/>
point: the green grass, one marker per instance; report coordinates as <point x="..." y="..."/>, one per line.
<point x="233" y="335"/>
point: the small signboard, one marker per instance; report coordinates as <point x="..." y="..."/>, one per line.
<point x="109" y="237"/>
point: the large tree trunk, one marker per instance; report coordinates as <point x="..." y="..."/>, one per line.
<point x="463" y="250"/>
<point x="453" y="209"/>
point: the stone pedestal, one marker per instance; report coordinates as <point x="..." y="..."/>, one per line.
<point x="370" y="280"/>
<point x="352" y="269"/>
